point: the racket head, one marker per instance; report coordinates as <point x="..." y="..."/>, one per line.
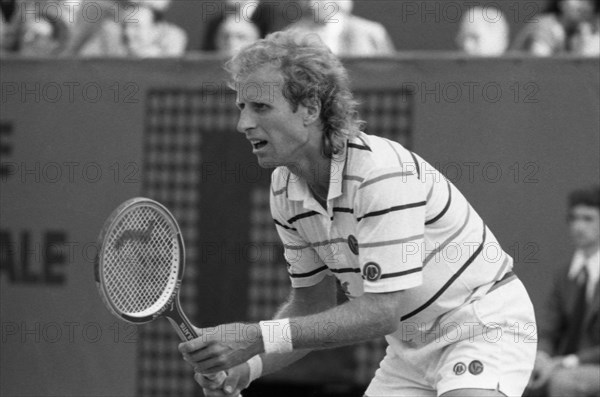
<point x="140" y="260"/>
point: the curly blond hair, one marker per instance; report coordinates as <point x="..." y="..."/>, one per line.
<point x="311" y="72"/>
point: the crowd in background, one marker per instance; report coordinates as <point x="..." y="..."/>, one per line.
<point x="139" y="28"/>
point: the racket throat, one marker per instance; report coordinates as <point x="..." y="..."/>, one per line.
<point x="180" y="322"/>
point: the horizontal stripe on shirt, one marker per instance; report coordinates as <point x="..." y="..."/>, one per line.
<point x="391" y="242"/>
<point x="302" y="216"/>
<point x="402" y="273"/>
<point x="283" y="226"/>
<point x="386" y="176"/>
<point x="438" y="216"/>
<point x="308" y="274"/>
<point x="392" y="209"/>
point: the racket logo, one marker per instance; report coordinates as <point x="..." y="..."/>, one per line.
<point x="135" y="235"/>
<point x="186" y="331"/>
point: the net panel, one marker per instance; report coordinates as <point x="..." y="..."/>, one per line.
<point x="176" y="121"/>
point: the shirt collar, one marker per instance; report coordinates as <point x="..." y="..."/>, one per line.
<point x="579" y="260"/>
<point x="298" y="188"/>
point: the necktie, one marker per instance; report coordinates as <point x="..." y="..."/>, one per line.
<point x="578" y="310"/>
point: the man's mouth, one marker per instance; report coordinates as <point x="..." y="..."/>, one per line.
<point x="258" y="144"/>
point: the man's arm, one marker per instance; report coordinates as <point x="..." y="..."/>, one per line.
<point x="550" y="319"/>
<point x="550" y="323"/>
<point x="590" y="355"/>
<point x="364" y="318"/>
<point x="85" y="28"/>
<point x="302" y="301"/>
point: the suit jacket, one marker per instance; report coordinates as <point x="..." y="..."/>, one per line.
<point x="555" y="317"/>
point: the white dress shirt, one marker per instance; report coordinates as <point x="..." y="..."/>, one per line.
<point x="593" y="267"/>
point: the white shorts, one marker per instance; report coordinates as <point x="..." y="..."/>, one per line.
<point x="489" y="343"/>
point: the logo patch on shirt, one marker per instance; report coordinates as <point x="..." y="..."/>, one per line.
<point x="353" y="244"/>
<point x="460" y="368"/>
<point x="475" y="367"/>
<point x="372" y="271"/>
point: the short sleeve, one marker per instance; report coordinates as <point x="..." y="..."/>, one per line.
<point x="305" y="267"/>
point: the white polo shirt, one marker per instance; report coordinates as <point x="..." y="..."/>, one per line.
<point x="392" y="223"/>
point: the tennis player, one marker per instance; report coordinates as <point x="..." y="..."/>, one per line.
<point x="418" y="264"/>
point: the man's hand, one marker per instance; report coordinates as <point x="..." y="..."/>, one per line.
<point x="222" y="348"/>
<point x="238" y="378"/>
<point x="543" y="369"/>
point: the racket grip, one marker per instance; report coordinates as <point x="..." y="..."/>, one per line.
<point x="186" y="332"/>
<point x="219" y="378"/>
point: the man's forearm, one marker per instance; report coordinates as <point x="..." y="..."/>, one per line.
<point x="359" y="320"/>
<point x="365" y="318"/>
<point x="368" y="317"/>
<point x="276" y="361"/>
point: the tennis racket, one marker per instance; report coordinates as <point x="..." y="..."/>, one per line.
<point x="140" y="265"/>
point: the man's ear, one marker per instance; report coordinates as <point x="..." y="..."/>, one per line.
<point x="312" y="111"/>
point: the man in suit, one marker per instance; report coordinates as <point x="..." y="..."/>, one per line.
<point x="568" y="360"/>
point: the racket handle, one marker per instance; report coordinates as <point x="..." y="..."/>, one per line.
<point x="219" y="378"/>
<point x="186" y="332"/>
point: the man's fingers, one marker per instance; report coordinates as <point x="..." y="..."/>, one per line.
<point x="208" y="382"/>
<point x="192" y="345"/>
<point x="208" y="351"/>
<point x="231" y="383"/>
<point x="210" y="366"/>
<point x="219" y="377"/>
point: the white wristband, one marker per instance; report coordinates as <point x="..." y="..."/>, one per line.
<point x="256" y="367"/>
<point x="277" y="335"/>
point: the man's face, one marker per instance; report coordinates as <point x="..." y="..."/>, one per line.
<point x="584" y="226"/>
<point x="233" y="35"/>
<point x="279" y="136"/>
<point x="576" y="10"/>
<point x="478" y="39"/>
<point x="140" y="32"/>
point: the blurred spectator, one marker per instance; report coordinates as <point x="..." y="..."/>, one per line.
<point x="568" y="359"/>
<point x="272" y="16"/>
<point x="483" y="32"/>
<point x="125" y="28"/>
<point x="29" y="29"/>
<point x="152" y="36"/>
<point x="267" y="16"/>
<point x="38" y="37"/>
<point x="232" y="34"/>
<point x="8" y="25"/>
<point x="106" y="37"/>
<point x="233" y="26"/>
<point x="568" y="26"/>
<point x="344" y="33"/>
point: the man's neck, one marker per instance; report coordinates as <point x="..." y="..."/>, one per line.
<point x="316" y="174"/>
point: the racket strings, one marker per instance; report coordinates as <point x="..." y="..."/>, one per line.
<point x="138" y="262"/>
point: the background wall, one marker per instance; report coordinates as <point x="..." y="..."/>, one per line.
<point x="79" y="137"/>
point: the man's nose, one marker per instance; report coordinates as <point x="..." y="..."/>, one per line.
<point x="246" y="122"/>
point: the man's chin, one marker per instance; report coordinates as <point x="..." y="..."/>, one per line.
<point x="267" y="164"/>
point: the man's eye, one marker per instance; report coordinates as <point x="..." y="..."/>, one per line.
<point x="260" y="106"/>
